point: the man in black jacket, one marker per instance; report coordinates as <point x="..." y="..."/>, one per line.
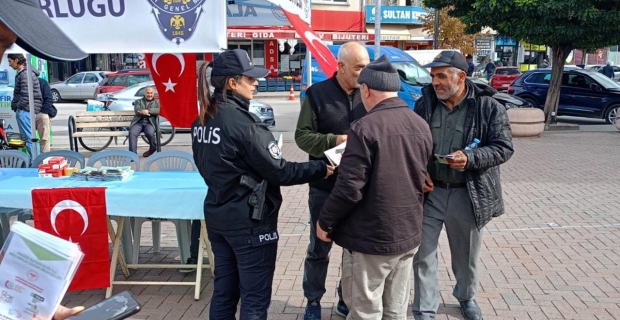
<point x="325" y="117"/>
<point x="465" y="192"/>
<point x="375" y="209"/>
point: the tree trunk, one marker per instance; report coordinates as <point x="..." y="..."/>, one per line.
<point x="559" y="54"/>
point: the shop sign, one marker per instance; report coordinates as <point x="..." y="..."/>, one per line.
<point x="483" y="43"/>
<point x="327" y="36"/>
<point x="271" y="57"/>
<point x="397" y="14"/>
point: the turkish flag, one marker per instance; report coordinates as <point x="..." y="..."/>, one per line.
<point x="78" y="215"/>
<point x="317" y="47"/>
<point x="174" y="75"/>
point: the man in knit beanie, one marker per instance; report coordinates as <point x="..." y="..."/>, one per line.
<point x="375" y="209"/>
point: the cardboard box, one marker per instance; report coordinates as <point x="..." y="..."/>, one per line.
<point x="54" y="166"/>
<point x="54" y="160"/>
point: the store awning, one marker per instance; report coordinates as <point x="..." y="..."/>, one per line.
<point x="391" y="32"/>
<point x="417" y="34"/>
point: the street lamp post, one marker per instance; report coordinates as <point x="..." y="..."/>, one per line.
<point x="377" y="28"/>
<point x="436" y="31"/>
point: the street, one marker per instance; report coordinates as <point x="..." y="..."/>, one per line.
<point x="285" y="112"/>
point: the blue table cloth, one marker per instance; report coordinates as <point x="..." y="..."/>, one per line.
<point x="149" y="194"/>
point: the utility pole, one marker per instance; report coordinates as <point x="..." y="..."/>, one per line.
<point x="436" y="31"/>
<point x="377" y="29"/>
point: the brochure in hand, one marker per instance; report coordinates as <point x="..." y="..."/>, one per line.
<point x="36" y="269"/>
<point x="334" y="155"/>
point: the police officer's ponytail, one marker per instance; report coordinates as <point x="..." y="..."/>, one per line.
<point x="208" y="106"/>
<point x="208" y="103"/>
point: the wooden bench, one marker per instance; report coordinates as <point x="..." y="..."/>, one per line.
<point x="114" y="121"/>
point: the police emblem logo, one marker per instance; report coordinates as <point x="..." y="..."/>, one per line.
<point x="274" y="150"/>
<point x="177" y="19"/>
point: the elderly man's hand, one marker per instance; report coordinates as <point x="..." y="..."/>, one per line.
<point x="63" y="312"/>
<point x="144" y="112"/>
<point x="322" y="234"/>
<point x="459" y="161"/>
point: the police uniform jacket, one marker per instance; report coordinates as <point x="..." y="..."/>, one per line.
<point x="236" y="143"/>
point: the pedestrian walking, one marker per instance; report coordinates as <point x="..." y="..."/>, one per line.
<point x="472" y="129"/>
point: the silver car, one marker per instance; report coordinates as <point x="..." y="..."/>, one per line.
<point x="80" y="86"/>
<point x="122" y="101"/>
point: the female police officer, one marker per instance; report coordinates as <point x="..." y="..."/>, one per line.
<point x="242" y="165"/>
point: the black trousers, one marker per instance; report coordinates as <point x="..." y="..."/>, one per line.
<point x="149" y="132"/>
<point x="242" y="271"/>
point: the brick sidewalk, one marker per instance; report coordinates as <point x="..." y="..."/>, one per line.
<point x="555" y="254"/>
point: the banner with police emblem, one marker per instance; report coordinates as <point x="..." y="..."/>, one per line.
<point x="129" y="26"/>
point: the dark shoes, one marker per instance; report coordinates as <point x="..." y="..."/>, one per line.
<point x="342" y="309"/>
<point x="313" y="310"/>
<point x="148" y="153"/>
<point x="471" y="310"/>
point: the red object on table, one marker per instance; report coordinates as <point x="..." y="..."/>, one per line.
<point x="80" y="216"/>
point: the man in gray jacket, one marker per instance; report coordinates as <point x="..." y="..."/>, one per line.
<point x="20" y="104"/>
<point x="147" y="110"/>
<point x="465" y="192"/>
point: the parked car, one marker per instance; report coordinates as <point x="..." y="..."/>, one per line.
<point x="117" y="81"/>
<point x="122" y="101"/>
<point x="584" y="93"/>
<point x="597" y="68"/>
<point x="505" y="99"/>
<point x="503" y="77"/>
<point x="79" y="86"/>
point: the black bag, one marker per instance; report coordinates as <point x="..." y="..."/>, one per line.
<point x="53" y="112"/>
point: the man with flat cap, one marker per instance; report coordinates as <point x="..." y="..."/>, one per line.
<point x="375" y="209"/>
<point x="465" y="192"/>
<point x="23" y="22"/>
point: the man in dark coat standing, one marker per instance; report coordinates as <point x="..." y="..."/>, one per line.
<point x="375" y="209"/>
<point x="471" y="130"/>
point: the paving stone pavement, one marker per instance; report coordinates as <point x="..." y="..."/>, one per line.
<point x="555" y="254"/>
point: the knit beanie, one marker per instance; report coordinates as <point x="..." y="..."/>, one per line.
<point x="380" y="75"/>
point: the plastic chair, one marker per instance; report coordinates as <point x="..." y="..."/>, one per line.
<point x="166" y="161"/>
<point x="73" y="158"/>
<point x="14" y="159"/>
<point x="114" y="158"/>
<point x="118" y="158"/>
<point x="10" y="159"/>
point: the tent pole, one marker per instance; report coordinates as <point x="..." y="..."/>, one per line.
<point x="309" y="68"/>
<point x="33" y="127"/>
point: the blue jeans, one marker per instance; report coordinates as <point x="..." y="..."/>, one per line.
<point x="23" y="122"/>
<point x="242" y="271"/>
<point x="317" y="257"/>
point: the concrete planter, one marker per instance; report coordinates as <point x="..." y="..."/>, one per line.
<point x="526" y="122"/>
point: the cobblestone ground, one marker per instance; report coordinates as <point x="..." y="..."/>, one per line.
<point x="555" y="254"/>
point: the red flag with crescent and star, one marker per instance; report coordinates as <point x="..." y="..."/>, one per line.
<point x="174" y="75"/>
<point x="320" y="52"/>
<point x="78" y="215"/>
